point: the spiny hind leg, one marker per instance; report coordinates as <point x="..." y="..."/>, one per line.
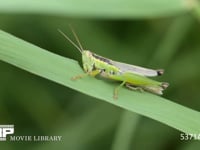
<point x="92" y="73"/>
<point x="135" y="88"/>
<point x="116" y="90"/>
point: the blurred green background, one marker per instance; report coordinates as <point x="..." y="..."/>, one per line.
<point x="37" y="106"/>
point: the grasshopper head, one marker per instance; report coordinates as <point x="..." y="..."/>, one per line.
<point x="88" y="61"/>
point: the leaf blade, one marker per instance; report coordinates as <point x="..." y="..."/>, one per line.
<point x="59" y="69"/>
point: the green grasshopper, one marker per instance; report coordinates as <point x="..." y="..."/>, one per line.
<point x="133" y="77"/>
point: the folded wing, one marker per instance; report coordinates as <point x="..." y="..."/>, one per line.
<point x="137" y="70"/>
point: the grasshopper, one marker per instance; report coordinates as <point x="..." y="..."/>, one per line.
<point x="133" y="77"/>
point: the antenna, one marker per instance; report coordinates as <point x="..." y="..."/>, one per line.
<point x="76" y="37"/>
<point x="79" y="48"/>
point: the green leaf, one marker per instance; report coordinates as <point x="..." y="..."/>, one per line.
<point x="60" y="69"/>
<point x="105" y="9"/>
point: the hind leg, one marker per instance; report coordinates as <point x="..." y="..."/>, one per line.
<point x="135" y="88"/>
